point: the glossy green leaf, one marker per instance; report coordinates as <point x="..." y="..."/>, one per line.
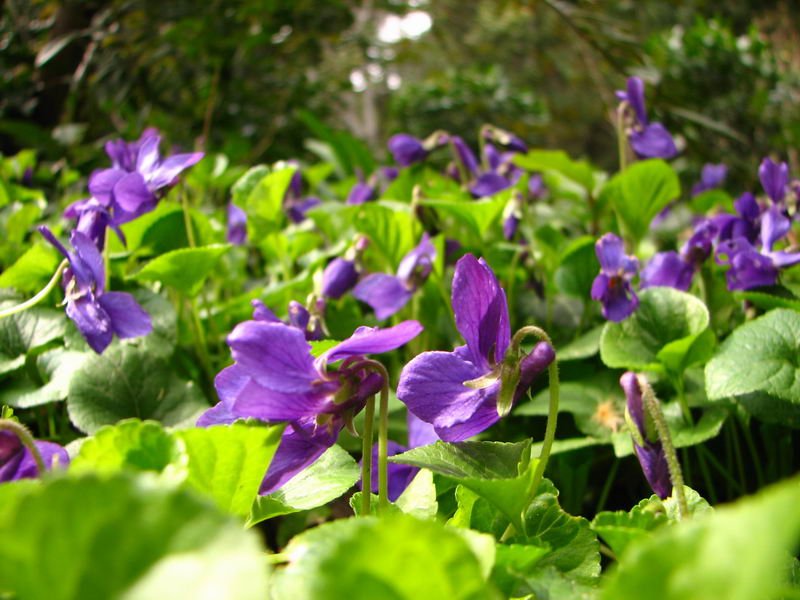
<point x="574" y="549"/>
<point x="396" y="557"/>
<point x="118" y="537"/>
<point x="738" y="552"/>
<point x="128" y="381"/>
<point x="329" y="477"/>
<point x="22" y="332"/>
<point x="705" y="201"/>
<point x="32" y="270"/>
<point x="583" y="347"/>
<point x="264" y="203"/>
<point x="478" y="215"/>
<point x="55" y="368"/>
<point x="185" y="270"/>
<point x="512" y="563"/>
<point x="758" y="366"/>
<point x="578" y="268"/>
<point x="620" y="528"/>
<point x="241" y="190"/>
<point x="499" y="472"/>
<point x="640" y="192"/>
<point x="131" y="444"/>
<point x="228" y="462"/>
<point x="419" y="498"/>
<point x="578" y="171"/>
<point x="659" y="335"/>
<point x="389" y="228"/>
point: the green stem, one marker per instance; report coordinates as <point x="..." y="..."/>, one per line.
<point x="38" y="297"/>
<point x="621" y="137"/>
<point x="383" y="450"/>
<point x="552" y="413"/>
<point x="732" y="483"/>
<point x="187" y="220"/>
<point x="601" y="502"/>
<point x="751" y="446"/>
<point x="202" y="343"/>
<point x="383" y="435"/>
<point x="682" y="401"/>
<point x="107" y="263"/>
<point x="366" y="457"/>
<point x="676" y="476"/>
<point x="27" y="440"/>
<point x="712" y="492"/>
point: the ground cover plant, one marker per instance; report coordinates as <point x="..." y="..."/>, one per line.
<point x="467" y="368"/>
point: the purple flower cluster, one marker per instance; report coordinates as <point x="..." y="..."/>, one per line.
<point x="276" y="379"/>
<point x="745" y="242"/>
<point x="137" y="179"/>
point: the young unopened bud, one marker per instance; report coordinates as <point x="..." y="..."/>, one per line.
<point x="649" y="449"/>
<point x="515" y="380"/>
<point x="338" y="278"/>
<point x="406" y="149"/>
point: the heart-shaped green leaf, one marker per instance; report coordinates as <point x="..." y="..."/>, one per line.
<point x="660" y="335"/>
<point x="758" y="365"/>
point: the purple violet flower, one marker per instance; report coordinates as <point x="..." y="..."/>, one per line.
<point x="237" y="225"/>
<point x="501" y="175"/>
<point x="406" y="149"/>
<point x="667" y="269"/>
<point x="275" y="378"/>
<point x="17" y="462"/>
<point x="747" y="224"/>
<point x="711" y="177"/>
<point x="650" y="452"/>
<point x="457" y="391"/>
<point x="612" y="286"/>
<point x="751" y="268"/>
<point x="774" y="178"/>
<point x="138" y="178"/>
<point x="387" y="294"/>
<point x="97" y="313"/>
<point x="648" y="140"/>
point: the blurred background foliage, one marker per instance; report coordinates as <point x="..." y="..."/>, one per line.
<point x="257" y="79"/>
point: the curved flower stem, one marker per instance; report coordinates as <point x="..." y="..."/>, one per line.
<point x="39" y="296"/>
<point x="552" y="412"/>
<point x="27" y="440"/>
<point x="653" y="408"/>
<point x="383" y="437"/>
<point x="366" y="457"/>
